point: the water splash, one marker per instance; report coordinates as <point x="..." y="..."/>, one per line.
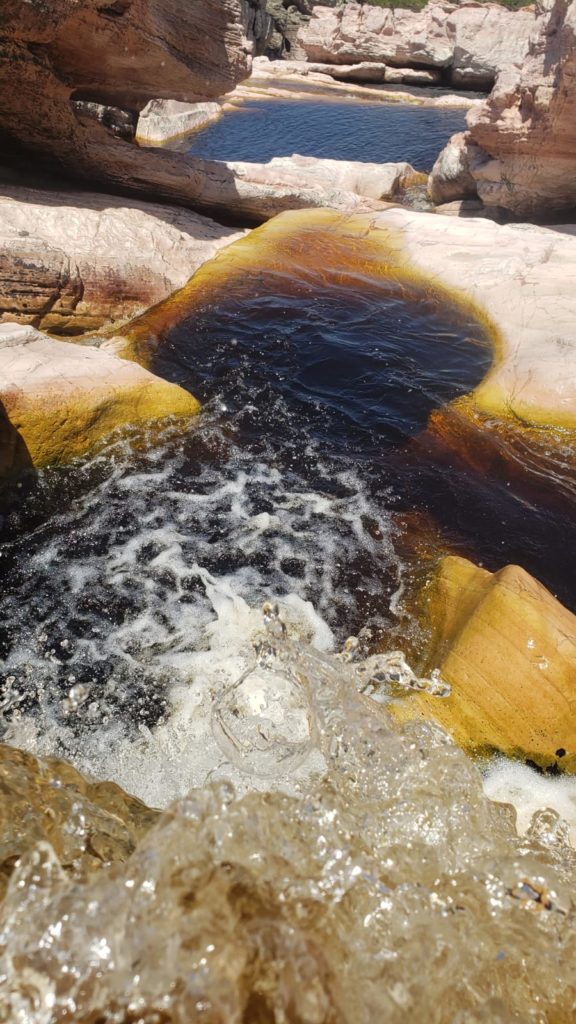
<point x="386" y="887"/>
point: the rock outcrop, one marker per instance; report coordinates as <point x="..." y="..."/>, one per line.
<point x="313" y="182"/>
<point x="451" y="177"/>
<point x="508" y="649"/>
<point x="527" y="127"/>
<point x="75" y="261"/>
<point x="57" y="399"/>
<point x="168" y="119"/>
<point x="61" y="62"/>
<point x="470" y="42"/>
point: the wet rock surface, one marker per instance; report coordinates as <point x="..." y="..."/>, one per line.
<point x="58" y="399"/>
<point x="508" y="649"/>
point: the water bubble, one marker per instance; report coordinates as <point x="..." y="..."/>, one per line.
<point x="272" y="620"/>
<point x="77" y="695"/>
<point x="264" y="723"/>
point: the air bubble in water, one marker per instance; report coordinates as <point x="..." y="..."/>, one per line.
<point x="263" y="723"/>
<point x="77" y="695"/>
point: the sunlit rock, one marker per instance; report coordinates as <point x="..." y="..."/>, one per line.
<point x="451" y="178"/>
<point x="57" y="398"/>
<point x="508" y="649"/>
<point x="167" y="119"/>
<point x="527" y="127"/>
<point x="471" y="42"/>
<point x="338" y="184"/>
<point x="74" y="261"/>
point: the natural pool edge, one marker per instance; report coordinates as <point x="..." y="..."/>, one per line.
<point x="513" y="279"/>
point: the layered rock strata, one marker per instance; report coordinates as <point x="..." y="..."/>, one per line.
<point x="471" y="43"/>
<point x="508" y="649"/>
<point x="75" y="261"/>
<point x="62" y="61"/>
<point x="57" y="399"/>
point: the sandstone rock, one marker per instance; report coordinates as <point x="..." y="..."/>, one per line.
<point x="338" y="184"/>
<point x="527" y="127"/>
<point x="117" y="55"/>
<point x="354" y="33"/>
<point x="464" y="208"/>
<point x="472" y="42"/>
<point x="364" y="71"/>
<point x="162" y="120"/>
<point x="487" y="39"/>
<point x="508" y="649"/>
<point x="451" y="177"/>
<point x="74" y="261"/>
<point x="58" y="399"/>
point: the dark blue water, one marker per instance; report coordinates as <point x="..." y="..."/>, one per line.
<point x="343" y="130"/>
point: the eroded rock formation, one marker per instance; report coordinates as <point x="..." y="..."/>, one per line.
<point x="470" y="42"/>
<point x="75" y="261"/>
<point x="62" y="62"/>
<point x="520" y="150"/>
<point x="508" y="648"/>
<point x="527" y="127"/>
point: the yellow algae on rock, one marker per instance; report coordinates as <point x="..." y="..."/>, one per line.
<point x="508" y="649"/>
<point x="58" y="399"/>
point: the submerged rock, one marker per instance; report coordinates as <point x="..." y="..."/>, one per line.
<point x="507" y="647"/>
<point x="57" y="399"/>
<point x="74" y="261"/>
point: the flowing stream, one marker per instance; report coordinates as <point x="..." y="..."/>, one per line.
<point x="174" y="618"/>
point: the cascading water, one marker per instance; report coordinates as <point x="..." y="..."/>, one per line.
<point x="313" y="862"/>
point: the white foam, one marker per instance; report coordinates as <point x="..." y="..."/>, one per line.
<point x="529" y="791"/>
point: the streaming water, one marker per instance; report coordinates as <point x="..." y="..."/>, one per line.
<point x="340" y="130"/>
<point x="175" y="617"/>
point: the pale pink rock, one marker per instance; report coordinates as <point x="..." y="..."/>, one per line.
<point x="527" y="127"/>
<point x="473" y="42"/>
<point x="74" y="261"/>
<point x="161" y="120"/>
<point x="451" y="177"/>
<point x="487" y="39"/>
<point x="337" y="184"/>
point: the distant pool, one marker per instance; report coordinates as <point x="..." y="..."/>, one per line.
<point x="344" y="130"/>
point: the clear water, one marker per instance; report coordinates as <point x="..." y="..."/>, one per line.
<point x="340" y="130"/>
